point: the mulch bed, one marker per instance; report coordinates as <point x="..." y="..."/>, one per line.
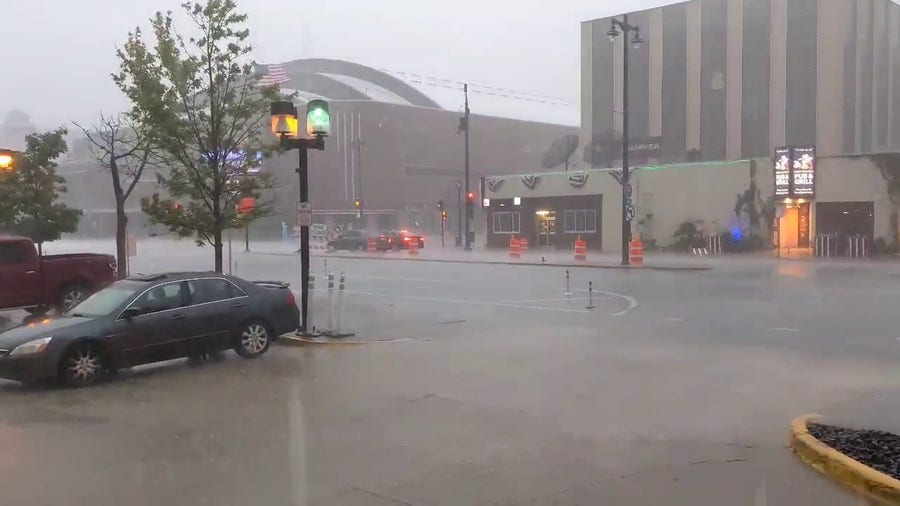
<point x="876" y="449"/>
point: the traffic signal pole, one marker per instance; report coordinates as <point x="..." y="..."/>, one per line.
<point x="469" y="205"/>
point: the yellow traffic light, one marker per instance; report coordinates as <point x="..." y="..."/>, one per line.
<point x="357" y="203"/>
<point x="7" y="161"/>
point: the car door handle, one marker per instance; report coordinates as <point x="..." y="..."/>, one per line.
<point x="239" y="304"/>
<point x="178" y="317"/>
<point x="30" y="272"/>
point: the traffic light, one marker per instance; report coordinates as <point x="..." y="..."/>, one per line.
<point x="470" y="198"/>
<point x="6" y="160"/>
<point x="318" y="119"/>
<point x="357" y="203"/>
<point x="444" y="215"/>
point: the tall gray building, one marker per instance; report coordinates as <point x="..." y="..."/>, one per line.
<point x="733" y="79"/>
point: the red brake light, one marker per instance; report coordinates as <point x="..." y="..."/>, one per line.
<point x="406" y="239"/>
<point x="381" y="236"/>
<point x="292" y="301"/>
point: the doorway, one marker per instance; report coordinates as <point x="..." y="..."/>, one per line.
<point x="546" y="228"/>
<point x="794" y="227"/>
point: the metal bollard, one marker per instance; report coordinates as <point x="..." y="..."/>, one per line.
<point x="591" y="296"/>
<point x="330" y="301"/>
<point x="340" y="304"/>
<point x="310" y="290"/>
<point x="568" y="291"/>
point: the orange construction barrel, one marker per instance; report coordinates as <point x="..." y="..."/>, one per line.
<point x="637" y="253"/>
<point x="580" y="250"/>
<point x="515" y="247"/>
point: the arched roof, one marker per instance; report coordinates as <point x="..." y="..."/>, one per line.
<point x="326" y="77"/>
<point x="343" y="80"/>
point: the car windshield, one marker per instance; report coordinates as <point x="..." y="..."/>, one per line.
<point x="106" y="301"/>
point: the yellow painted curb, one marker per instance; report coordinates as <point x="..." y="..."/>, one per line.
<point x="874" y="484"/>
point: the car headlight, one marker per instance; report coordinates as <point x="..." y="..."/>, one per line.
<point x="30" y="347"/>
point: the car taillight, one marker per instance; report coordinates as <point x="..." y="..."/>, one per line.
<point x="292" y="301"/>
<point x="406" y="239"/>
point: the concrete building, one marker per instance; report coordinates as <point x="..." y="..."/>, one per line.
<point x="394" y="144"/>
<point x="734" y="79"/>
<point x="718" y="86"/>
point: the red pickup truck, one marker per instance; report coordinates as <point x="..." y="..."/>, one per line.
<point x="37" y="283"/>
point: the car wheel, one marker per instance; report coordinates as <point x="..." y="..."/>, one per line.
<point x="71" y="296"/>
<point x="82" y="365"/>
<point x="253" y="339"/>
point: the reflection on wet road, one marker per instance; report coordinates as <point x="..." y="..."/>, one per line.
<point x="675" y="389"/>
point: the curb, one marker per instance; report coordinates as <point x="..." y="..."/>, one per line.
<point x="305" y="341"/>
<point x="645" y="267"/>
<point x="873" y="484"/>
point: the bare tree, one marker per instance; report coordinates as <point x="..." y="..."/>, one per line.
<point x="125" y="150"/>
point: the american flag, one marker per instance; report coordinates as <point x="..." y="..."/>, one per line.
<point x="276" y="75"/>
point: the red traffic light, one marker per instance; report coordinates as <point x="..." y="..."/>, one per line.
<point x="470" y="197"/>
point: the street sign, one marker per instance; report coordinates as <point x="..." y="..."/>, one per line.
<point x="304" y="214"/>
<point x="629" y="190"/>
<point x="318" y="230"/>
<point x="629" y="213"/>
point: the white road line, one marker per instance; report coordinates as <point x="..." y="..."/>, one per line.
<point x="784" y="329"/>
<point x="632" y="302"/>
<point x="412" y="280"/>
<point x="677" y="320"/>
<point x="475" y="303"/>
<point x="557" y="299"/>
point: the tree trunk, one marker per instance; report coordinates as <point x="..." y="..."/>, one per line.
<point x="121" y="239"/>
<point x="217" y="248"/>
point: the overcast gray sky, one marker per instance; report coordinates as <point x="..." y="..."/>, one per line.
<point x="57" y="54"/>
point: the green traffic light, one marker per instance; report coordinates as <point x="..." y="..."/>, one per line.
<point x="318" y="119"/>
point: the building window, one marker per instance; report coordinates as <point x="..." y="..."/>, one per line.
<point x="506" y="223"/>
<point x="581" y="221"/>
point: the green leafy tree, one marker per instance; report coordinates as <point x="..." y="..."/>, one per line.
<point x="30" y="193"/>
<point x="200" y="100"/>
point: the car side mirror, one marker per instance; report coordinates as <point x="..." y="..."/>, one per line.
<point x="131" y="313"/>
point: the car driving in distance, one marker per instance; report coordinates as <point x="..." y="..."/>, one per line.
<point x="149" y="319"/>
<point x="397" y="240"/>
<point x="352" y="240"/>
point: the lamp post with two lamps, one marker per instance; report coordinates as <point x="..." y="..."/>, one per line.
<point x="285" y="126"/>
<point x="627" y="209"/>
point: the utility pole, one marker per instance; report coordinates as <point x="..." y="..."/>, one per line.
<point x="469" y="205"/>
<point x="358" y="144"/>
<point x="459" y="211"/>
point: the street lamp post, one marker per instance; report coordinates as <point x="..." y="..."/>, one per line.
<point x="636" y="39"/>
<point x="284" y="124"/>
<point x="358" y="144"/>
<point x="7" y="159"/>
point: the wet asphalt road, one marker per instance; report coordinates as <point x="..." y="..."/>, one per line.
<point x="498" y="389"/>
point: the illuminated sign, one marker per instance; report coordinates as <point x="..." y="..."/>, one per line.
<point x="782" y="172"/>
<point x="795" y="172"/>
<point x="803" y="167"/>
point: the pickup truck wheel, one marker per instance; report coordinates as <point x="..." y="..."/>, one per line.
<point x="71" y="296"/>
<point x="37" y="311"/>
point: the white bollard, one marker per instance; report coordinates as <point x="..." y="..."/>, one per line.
<point x="340" y="304"/>
<point x="591" y="296"/>
<point x="330" y="301"/>
<point x="568" y="291"/>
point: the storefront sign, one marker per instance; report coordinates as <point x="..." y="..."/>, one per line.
<point x="795" y="172"/>
<point x="804" y="171"/>
<point x="782" y="172"/>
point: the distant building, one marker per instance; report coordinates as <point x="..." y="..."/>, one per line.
<point x="734" y="79"/>
<point x="394" y="144"/>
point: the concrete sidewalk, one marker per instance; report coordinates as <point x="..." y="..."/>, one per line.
<point x="548" y="257"/>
